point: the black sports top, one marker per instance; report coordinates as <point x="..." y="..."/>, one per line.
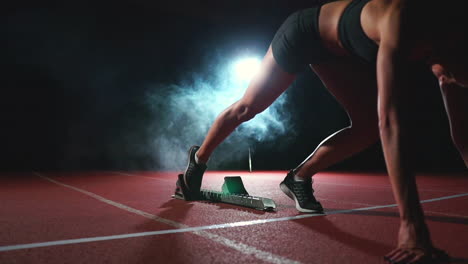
<point x="352" y="35"/>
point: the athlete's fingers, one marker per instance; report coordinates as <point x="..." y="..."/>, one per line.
<point x="389" y="256"/>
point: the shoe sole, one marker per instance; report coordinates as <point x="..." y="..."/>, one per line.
<point x="291" y="195"/>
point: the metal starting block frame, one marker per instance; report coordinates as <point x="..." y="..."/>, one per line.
<point x="233" y="192"/>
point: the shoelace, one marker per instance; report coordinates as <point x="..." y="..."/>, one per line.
<point x="194" y="171"/>
<point x="303" y="191"/>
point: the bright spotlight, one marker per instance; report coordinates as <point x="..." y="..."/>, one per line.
<point x="247" y="68"/>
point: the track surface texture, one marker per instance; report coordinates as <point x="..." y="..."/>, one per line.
<point x="130" y="217"/>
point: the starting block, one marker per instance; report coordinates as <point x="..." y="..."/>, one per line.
<point x="232" y="192"/>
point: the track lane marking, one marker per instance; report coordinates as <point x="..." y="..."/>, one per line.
<point x="425" y="211"/>
<point x="319" y="183"/>
<point x="135" y="175"/>
<point x="241" y="247"/>
<point x="200" y="230"/>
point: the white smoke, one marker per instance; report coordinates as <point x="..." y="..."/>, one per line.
<point x="186" y="111"/>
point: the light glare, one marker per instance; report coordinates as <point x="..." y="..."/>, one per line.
<point x="246" y="68"/>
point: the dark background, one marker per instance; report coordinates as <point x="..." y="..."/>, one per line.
<point x="76" y="73"/>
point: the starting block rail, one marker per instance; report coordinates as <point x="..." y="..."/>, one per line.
<point x="233" y="192"/>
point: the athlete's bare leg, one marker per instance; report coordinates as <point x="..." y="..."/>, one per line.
<point x="456" y="104"/>
<point x="354" y="86"/>
<point x="266" y="86"/>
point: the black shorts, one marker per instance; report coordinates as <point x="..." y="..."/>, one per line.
<point x="297" y="42"/>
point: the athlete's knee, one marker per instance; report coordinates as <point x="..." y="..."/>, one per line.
<point x="367" y="126"/>
<point x="463" y="150"/>
<point x="366" y="132"/>
<point x="461" y="143"/>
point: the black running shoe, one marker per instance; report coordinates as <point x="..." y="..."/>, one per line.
<point x="302" y="193"/>
<point x="194" y="172"/>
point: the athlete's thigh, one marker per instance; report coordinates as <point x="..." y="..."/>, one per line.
<point x="269" y="83"/>
<point x="354" y="85"/>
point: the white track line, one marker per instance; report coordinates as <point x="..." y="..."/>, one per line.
<point x="241" y="247"/>
<point x="136" y="175"/>
<point x="181" y="228"/>
<point x="327" y="183"/>
<point x="425" y="211"/>
<point x="318" y="183"/>
<point x="381" y="187"/>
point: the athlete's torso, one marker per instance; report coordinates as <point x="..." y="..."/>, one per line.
<point x="435" y="28"/>
<point x="330" y="17"/>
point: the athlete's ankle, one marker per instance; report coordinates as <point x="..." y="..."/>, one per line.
<point x="300" y="176"/>
<point x="199" y="160"/>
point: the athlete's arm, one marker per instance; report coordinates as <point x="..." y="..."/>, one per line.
<point x="393" y="74"/>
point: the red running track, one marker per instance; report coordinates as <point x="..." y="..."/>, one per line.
<point x="121" y="217"/>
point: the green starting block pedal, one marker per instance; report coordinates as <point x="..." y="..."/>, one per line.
<point x="233" y="185"/>
<point x="232" y="192"/>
